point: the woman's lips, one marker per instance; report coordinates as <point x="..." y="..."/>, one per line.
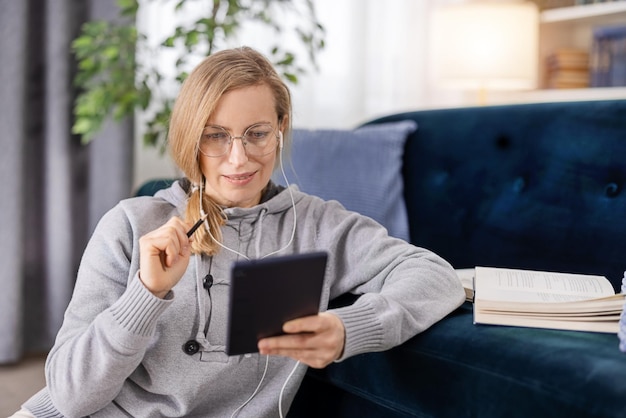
<point x="240" y="179"/>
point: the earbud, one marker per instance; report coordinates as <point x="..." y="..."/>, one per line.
<point x="280" y="139"/>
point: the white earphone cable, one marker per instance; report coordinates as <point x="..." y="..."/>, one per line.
<point x="293" y="205"/>
<point x="280" y="397"/>
<point x="267" y="362"/>
<point x="291" y="238"/>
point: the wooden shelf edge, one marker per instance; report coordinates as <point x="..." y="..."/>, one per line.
<point x="584" y="11"/>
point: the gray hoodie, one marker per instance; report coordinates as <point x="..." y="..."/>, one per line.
<point x="120" y="350"/>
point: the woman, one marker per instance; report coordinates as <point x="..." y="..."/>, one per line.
<point x="144" y="333"/>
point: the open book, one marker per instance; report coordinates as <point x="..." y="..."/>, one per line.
<point x="542" y="299"/>
<point x="466" y="276"/>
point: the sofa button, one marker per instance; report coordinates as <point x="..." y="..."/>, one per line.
<point x="519" y="184"/>
<point x="191" y="347"/>
<point x="611" y="190"/>
<point x="503" y="142"/>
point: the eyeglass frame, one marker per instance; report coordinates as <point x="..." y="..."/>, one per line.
<point x="231" y="139"/>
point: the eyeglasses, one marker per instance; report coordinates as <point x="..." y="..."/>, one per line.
<point x="258" y="140"/>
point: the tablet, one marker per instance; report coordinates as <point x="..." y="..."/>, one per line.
<point x="266" y="293"/>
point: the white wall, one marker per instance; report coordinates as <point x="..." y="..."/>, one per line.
<point x="375" y="63"/>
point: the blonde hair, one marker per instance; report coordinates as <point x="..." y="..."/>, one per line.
<point x="218" y="74"/>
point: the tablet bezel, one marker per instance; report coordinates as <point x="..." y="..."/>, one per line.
<point x="265" y="293"/>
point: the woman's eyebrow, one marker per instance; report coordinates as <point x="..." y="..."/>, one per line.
<point x="214" y="125"/>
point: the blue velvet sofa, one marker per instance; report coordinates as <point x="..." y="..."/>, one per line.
<point x="535" y="186"/>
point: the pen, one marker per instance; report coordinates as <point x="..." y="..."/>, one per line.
<point x="196" y="226"/>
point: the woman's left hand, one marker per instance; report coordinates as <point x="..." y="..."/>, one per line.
<point x="316" y="340"/>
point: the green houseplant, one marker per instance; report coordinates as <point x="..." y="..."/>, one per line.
<point x="113" y="82"/>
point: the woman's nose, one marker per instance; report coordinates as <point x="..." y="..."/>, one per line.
<point x="237" y="155"/>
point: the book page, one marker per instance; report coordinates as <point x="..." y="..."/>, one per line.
<point x="466" y="276"/>
<point x="609" y="326"/>
<point x="609" y="305"/>
<point x="500" y="284"/>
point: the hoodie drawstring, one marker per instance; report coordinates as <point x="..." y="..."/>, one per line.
<point x="259" y="232"/>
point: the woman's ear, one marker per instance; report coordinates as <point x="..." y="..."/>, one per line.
<point x="283" y="126"/>
<point x="283" y="123"/>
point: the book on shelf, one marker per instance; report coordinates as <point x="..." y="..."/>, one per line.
<point x="608" y="56"/>
<point x="567" y="68"/>
<point x="554" y="4"/>
<point x="568" y="58"/>
<point x="583" y="2"/>
<point x="542" y="299"/>
<point x="569" y="80"/>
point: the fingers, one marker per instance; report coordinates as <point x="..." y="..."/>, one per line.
<point x="173" y="241"/>
<point x="315" y="340"/>
<point x="164" y="255"/>
<point x="168" y="242"/>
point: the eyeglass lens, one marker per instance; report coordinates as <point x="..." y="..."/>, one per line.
<point x="258" y="140"/>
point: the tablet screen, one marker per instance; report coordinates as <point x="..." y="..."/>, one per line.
<point x="266" y="293"/>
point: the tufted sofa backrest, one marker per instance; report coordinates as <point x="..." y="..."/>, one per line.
<point x="538" y="186"/>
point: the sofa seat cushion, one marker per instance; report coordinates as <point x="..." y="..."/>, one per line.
<point x="458" y="369"/>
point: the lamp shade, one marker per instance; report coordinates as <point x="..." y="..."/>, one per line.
<point x="486" y="45"/>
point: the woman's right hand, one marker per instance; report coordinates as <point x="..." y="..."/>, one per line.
<point x="163" y="256"/>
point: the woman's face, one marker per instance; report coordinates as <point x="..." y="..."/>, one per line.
<point x="237" y="179"/>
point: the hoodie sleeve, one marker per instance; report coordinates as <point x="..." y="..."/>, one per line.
<point x="108" y="323"/>
<point x="403" y="289"/>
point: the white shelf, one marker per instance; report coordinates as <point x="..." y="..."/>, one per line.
<point x="565" y="27"/>
<point x="584" y="12"/>
<point x="573" y="27"/>
<point x="558" y="95"/>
